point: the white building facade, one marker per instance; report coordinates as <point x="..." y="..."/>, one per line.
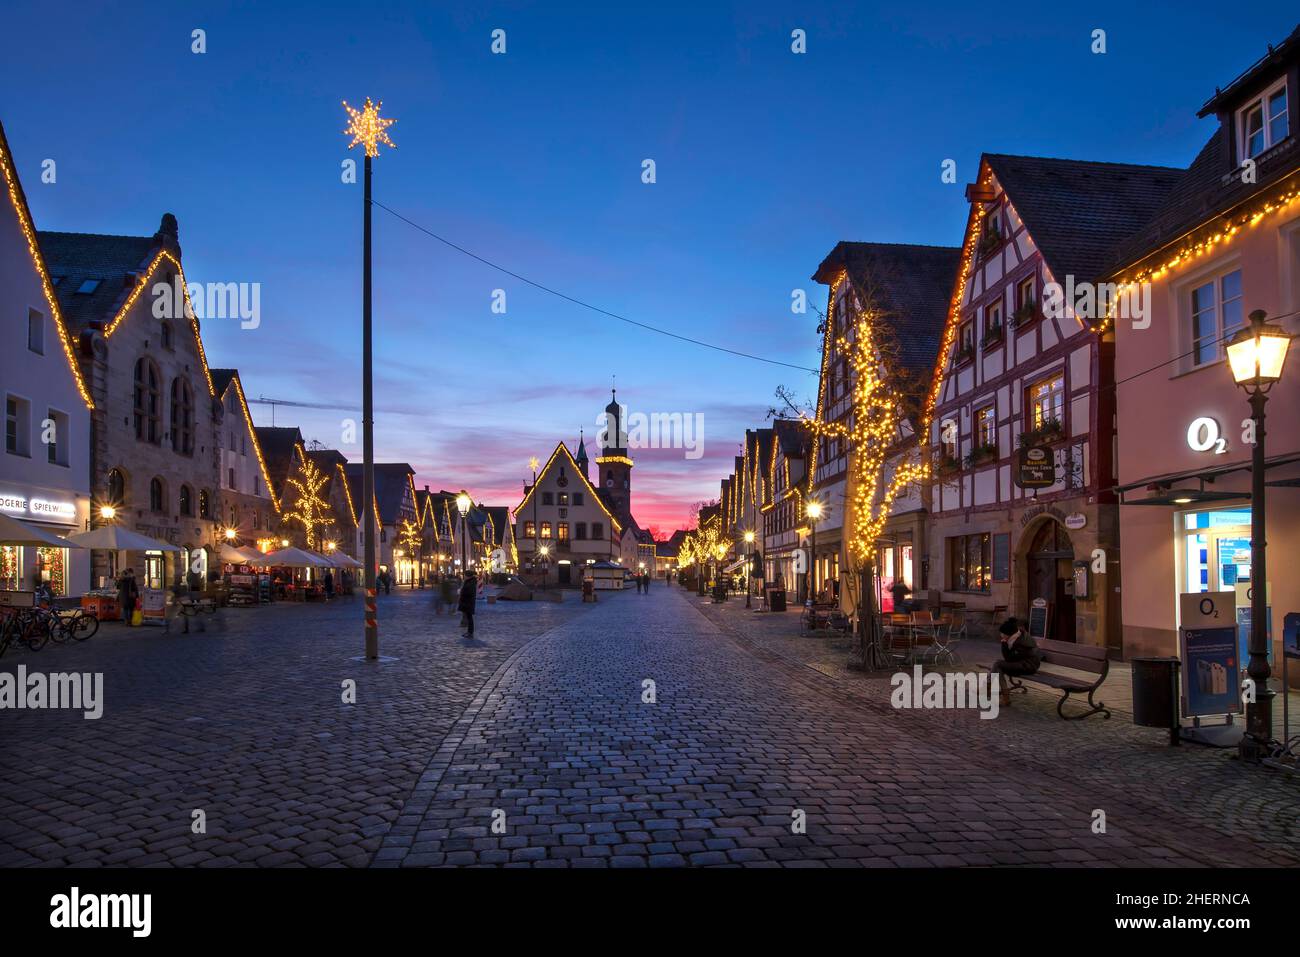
<point x="45" y="468"/>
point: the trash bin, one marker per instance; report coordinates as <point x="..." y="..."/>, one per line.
<point x="1155" y="694"/>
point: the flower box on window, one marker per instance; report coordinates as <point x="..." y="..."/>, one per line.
<point x="1050" y="431"/>
<point x="964" y="354"/>
<point x="1025" y="314"/>
<point x="981" y="454"/>
<point x="993" y="336"/>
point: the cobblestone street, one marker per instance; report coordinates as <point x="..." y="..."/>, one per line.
<point x="539" y="727"/>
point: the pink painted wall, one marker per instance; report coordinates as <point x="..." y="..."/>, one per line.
<point x="1156" y="409"/>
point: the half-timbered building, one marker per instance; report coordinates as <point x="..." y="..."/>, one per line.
<point x="1022" y="411"/>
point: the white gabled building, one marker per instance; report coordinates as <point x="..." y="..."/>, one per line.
<point x="45" y="469"/>
<point x="564" y="514"/>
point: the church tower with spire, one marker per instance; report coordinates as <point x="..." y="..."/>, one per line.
<point x="581" y="457"/>
<point x="614" y="466"/>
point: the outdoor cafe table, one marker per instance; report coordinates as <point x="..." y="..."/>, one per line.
<point x="909" y="629"/>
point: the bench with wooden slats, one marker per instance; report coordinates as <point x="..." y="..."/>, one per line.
<point x="1067" y="654"/>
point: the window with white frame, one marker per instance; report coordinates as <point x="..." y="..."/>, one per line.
<point x="56" y="429"/>
<point x="18" y="424"/>
<point x="1263" y="123"/>
<point x="986" y="426"/>
<point x="1215" y="313"/>
<point x="993" y="317"/>
<point x="1045" y="402"/>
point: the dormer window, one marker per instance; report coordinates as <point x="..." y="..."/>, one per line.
<point x="1264" y="122"/>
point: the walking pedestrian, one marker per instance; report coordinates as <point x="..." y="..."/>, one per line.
<point x="127" y="595"/>
<point x="468" y="598"/>
<point x="329" y="584"/>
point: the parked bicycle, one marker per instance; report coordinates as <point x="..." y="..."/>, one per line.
<point x="26" y="627"/>
<point x="73" y="623"/>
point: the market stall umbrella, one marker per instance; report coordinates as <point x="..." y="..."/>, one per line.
<point x="343" y="560"/>
<point x="117" y="538"/>
<point x="294" y="558"/>
<point x="251" y="555"/>
<point x="235" y="556"/>
<point x="14" y="532"/>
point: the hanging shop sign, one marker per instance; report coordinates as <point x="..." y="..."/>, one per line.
<point x="1207" y="642"/>
<point x="1076" y="521"/>
<point x="1035" y="467"/>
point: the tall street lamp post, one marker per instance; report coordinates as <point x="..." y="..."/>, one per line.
<point x="367" y="129"/>
<point x="749" y="544"/>
<point x="532" y="464"/>
<point x="814" y="511"/>
<point x="1256" y="355"/>
<point x="462" y="506"/>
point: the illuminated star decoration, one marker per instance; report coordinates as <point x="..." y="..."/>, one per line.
<point x="367" y="127"/>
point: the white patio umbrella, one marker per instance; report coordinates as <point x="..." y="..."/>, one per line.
<point x="233" y="555"/>
<point x="117" y="538"/>
<point x="294" y="558"/>
<point x="14" y="532"/>
<point x="344" y="560"/>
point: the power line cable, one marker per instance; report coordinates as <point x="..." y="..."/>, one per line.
<point x="586" y="305"/>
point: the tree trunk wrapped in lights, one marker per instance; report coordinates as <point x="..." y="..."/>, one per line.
<point x="882" y="402"/>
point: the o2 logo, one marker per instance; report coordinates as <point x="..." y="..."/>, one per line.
<point x="1203" y="436"/>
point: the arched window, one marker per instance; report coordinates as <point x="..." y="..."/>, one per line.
<point x="182" y="417"/>
<point x="205" y="506"/>
<point x="157" y="499"/>
<point x="148" y="401"/>
<point x="187" y="501"/>
<point x="116" y="487"/>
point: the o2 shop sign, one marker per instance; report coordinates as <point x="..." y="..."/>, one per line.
<point x="1203" y="435"/>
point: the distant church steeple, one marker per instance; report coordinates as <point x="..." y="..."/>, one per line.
<point x="581" y="457"/>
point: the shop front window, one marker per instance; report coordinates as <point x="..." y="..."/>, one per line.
<point x="10" y="567"/>
<point x="52" y="569"/>
<point x="1215" y="551"/>
<point x="968" y="558"/>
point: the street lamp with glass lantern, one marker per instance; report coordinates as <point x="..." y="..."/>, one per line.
<point x="1256" y="355"/>
<point x="814" y="511"/>
<point x="749" y="542"/>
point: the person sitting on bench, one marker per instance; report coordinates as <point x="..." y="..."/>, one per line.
<point x="1019" y="656"/>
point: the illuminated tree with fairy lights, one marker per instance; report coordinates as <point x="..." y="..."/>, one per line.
<point x="310" y="510"/>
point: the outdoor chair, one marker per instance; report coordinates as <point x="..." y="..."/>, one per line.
<point x="945" y="636"/>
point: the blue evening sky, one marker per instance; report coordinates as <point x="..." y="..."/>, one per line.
<point x="533" y="159"/>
